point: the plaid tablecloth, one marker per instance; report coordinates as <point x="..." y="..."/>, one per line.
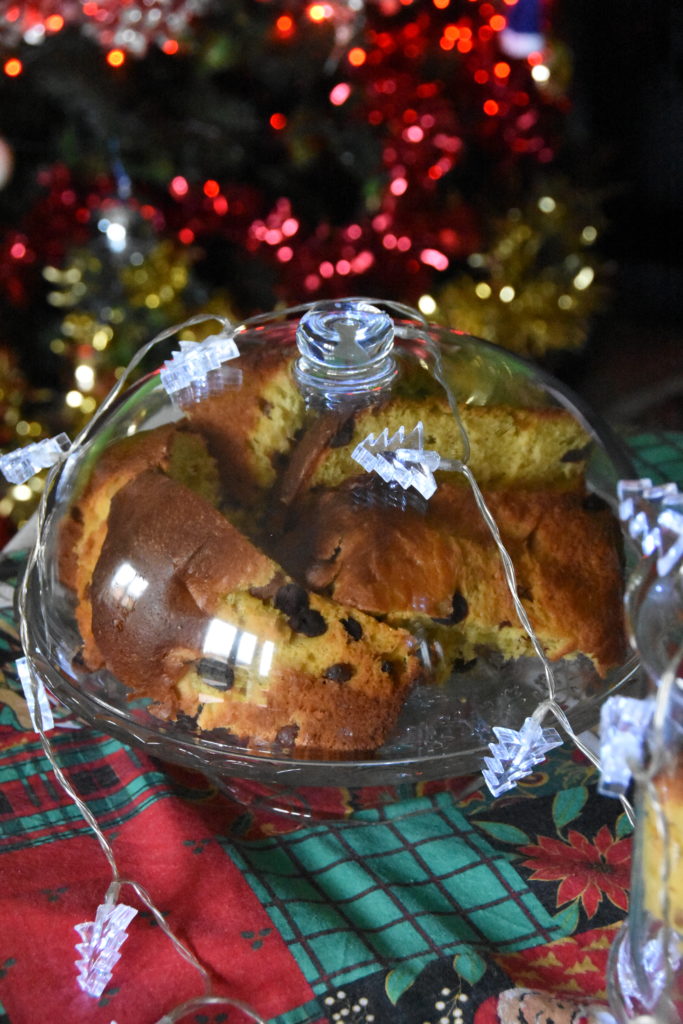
<point x="446" y="908"/>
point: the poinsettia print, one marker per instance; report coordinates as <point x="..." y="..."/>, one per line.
<point x="585" y="870"/>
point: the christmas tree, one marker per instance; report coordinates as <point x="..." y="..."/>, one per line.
<point x="162" y="157"/>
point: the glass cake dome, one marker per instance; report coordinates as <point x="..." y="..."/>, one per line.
<point x="332" y="546"/>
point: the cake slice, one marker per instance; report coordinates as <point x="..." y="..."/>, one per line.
<point x="510" y="448"/>
<point x="435" y="567"/>
<point x="188" y="612"/>
<point x="251" y="424"/>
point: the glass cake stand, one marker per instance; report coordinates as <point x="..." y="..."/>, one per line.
<point x="443" y="731"/>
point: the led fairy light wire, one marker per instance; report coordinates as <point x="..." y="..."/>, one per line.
<point x="36" y="689"/>
<point x="170" y="332"/>
<point x="229" y="331"/>
<point x="460" y="465"/>
<point x="118" y="883"/>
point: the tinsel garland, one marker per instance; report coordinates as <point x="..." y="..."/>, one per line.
<point x="284" y="152"/>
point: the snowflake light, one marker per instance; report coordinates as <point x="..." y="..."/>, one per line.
<point x="99" y="950"/>
<point x="654" y="519"/>
<point x="19" y="466"/>
<point x="516" y="754"/>
<point x="190" y="367"/>
<point x="401" y="459"/>
<point x="624" y="722"/>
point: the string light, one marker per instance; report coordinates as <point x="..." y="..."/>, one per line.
<point x="284" y="26"/>
<point x="540" y="73"/>
<point x="319" y="12"/>
<point x="179" y="187"/>
<point x="340" y="93"/>
<point x="427" y="305"/>
<point x="584" y="278"/>
<point x="54" y="23"/>
<point x="116" y="58"/>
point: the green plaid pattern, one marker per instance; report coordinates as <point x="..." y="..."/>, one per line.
<point x="658" y="455"/>
<point x="423" y="881"/>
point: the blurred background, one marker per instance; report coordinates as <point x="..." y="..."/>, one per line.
<point x="514" y="168"/>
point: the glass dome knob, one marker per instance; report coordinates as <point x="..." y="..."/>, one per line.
<point x="345" y="349"/>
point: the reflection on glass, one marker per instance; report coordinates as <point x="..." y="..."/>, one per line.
<point x="127" y="585"/>
<point x="227" y="647"/>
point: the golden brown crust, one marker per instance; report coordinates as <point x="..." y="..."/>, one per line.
<point x="84" y="529"/>
<point x="662" y="847"/>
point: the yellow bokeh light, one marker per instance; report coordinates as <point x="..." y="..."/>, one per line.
<point x="427" y="305"/>
<point x="584" y="278"/>
<point x="540" y="73"/>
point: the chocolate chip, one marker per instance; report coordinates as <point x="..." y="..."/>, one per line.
<point x="352" y="627"/>
<point x="344" y="435"/>
<point x="339" y="673"/>
<point x="218" y="674"/>
<point x="186" y="722"/>
<point x="387" y="667"/>
<point x="460" y="665"/>
<point x="308" y="621"/>
<point x="594" y="503"/>
<point x="505" y="623"/>
<point x="291" y="599"/>
<point x="286" y="735"/>
<point x="525" y="593"/>
<point x="576" y="454"/>
<point x="460" y="607"/>
<point x="460" y="610"/>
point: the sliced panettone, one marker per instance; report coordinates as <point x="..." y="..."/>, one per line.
<point x="187" y="612"/>
<point x="435" y="565"/>
<point x="509" y="447"/>
<point x="250" y="424"/>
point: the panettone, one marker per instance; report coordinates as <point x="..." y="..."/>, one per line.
<point x="276" y="663"/>
<point x="436" y="564"/>
<point x="509" y="448"/>
<point x="249" y="427"/>
<point x="242" y="572"/>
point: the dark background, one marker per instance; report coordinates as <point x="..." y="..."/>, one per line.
<point x="628" y="106"/>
